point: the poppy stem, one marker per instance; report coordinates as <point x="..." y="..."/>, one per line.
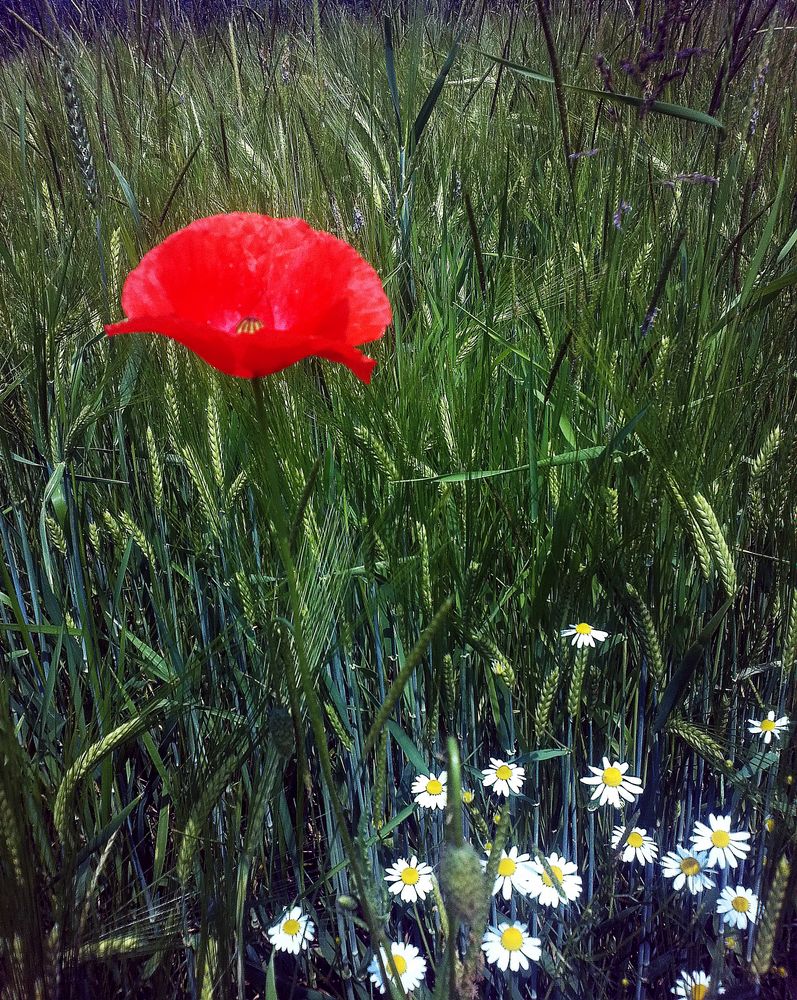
<point x="282" y="538"/>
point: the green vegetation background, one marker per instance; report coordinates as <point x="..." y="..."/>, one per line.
<point x="530" y="447"/>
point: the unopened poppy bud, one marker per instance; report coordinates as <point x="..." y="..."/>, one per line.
<point x="462" y="881"/>
<point x="348" y="903"/>
<point x="280" y="728"/>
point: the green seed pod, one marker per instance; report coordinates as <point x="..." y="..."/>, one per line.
<point x="770" y="919"/>
<point x="761" y="463"/>
<point x="721" y="554"/>
<point x="463" y="883"/>
<point x="55" y="534"/>
<point x="650" y="639"/>
<point x="577" y="683"/>
<point x="338" y="727"/>
<point x="280" y="726"/>
<point x="545" y="704"/>
<point x="449" y="685"/>
<point x="78" y="128"/>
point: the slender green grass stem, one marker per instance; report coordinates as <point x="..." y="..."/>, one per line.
<point x="454" y="839"/>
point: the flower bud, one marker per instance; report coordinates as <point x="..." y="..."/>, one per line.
<point x="462" y="881"/>
<point x="280" y="728"/>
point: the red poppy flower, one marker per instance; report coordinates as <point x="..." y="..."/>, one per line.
<point x="252" y="295"/>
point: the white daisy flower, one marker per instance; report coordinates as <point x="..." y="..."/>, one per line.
<point x="410" y="965"/>
<point x="505" y="777"/>
<point x="410" y="880"/>
<point x="637" y="844"/>
<point x="583" y="634"/>
<point x="293" y="933"/>
<point x="509" y="946"/>
<point x="693" y="986"/>
<point x="687" y="868"/>
<point x="430" y="790"/>
<point x="737" y="906"/>
<point x="769" y="727"/>
<point x="563" y="888"/>
<point x="613" y="784"/>
<point x="513" y="873"/>
<point x="723" y="846"/>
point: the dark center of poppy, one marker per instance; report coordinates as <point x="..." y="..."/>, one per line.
<point x="249" y="324"/>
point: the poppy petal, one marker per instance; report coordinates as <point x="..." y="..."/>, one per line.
<point x="251" y="295"/>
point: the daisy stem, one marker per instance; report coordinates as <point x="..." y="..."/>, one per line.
<point x="422" y="932"/>
<point x="281" y="537"/>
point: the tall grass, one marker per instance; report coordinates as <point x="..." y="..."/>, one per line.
<point x="571" y="420"/>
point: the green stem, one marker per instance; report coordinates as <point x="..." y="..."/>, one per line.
<point x="480" y="921"/>
<point x="454" y="818"/>
<point x="397" y="687"/>
<point x="282" y="535"/>
<point x="454" y="838"/>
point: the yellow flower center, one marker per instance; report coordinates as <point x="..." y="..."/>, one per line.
<point x="291" y="927"/>
<point x="557" y="874"/>
<point x="249" y="324"/>
<point x="690" y="866"/>
<point x="504" y="772"/>
<point x="699" y="991"/>
<point x="410" y="876"/>
<point x="583" y="629"/>
<point x="720" y="838"/>
<point x="401" y="964"/>
<point x="768" y="725"/>
<point x="512" y="939"/>
<point x="434" y="787"/>
<point x="741" y="904"/>
<point x="506" y="867"/>
<point x="612" y="777"/>
<point x="635" y="839"/>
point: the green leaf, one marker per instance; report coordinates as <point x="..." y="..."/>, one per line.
<point x="434" y="93"/>
<point x="537" y="756"/>
<point x="106" y="833"/>
<point x="565" y="458"/>
<point x="271" y="980"/>
<point x="689" y="664"/>
<point x="390" y="68"/>
<point x="130" y="198"/>
<point x="411" y="752"/>
<point x="662" y="107"/>
<point x="760" y="762"/>
<point x="160" y="667"/>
